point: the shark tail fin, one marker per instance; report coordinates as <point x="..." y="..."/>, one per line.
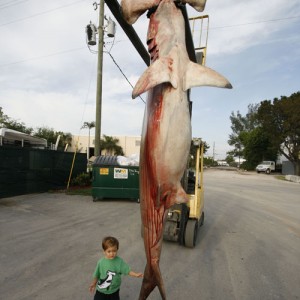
<point x="132" y="9"/>
<point x="159" y="72"/>
<point x="197" y="4"/>
<point x="152" y="278"/>
<point x="198" y="75"/>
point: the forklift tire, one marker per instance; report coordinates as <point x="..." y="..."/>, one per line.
<point x="183" y="220"/>
<point x="191" y="231"/>
<point x="202" y="219"/>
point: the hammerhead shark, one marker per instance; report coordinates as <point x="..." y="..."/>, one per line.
<point x="166" y="133"/>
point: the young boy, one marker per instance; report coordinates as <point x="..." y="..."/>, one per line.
<point x="107" y="275"/>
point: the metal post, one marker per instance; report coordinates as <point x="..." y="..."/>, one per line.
<point x="99" y="79"/>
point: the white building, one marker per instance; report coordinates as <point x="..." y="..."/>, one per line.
<point x="129" y="144"/>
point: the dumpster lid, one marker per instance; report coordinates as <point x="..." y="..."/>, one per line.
<point x="106" y="160"/>
<point x="109" y="160"/>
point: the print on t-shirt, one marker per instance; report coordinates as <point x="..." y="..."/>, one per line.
<point x="105" y="283"/>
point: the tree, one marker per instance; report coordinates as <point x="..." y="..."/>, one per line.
<point x="110" y="144"/>
<point x="240" y="124"/>
<point x="249" y="140"/>
<point x="193" y="152"/>
<point x="43" y="132"/>
<point x="89" y="125"/>
<point x="51" y="136"/>
<point x="65" y="139"/>
<point x="257" y="147"/>
<point x="280" y="120"/>
<point x="9" y="123"/>
<point x="229" y="159"/>
<point x="269" y="128"/>
<point x="209" y="162"/>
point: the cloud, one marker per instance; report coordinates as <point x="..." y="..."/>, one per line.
<point x="48" y="75"/>
<point x="237" y="25"/>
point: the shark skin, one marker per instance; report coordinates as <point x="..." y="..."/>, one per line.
<point x="132" y="10"/>
<point x="166" y="133"/>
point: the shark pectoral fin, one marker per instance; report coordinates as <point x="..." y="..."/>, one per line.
<point x="159" y="72"/>
<point x="177" y="196"/>
<point x="181" y="196"/>
<point x="198" y="75"/>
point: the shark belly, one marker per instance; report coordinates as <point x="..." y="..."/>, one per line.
<point x="167" y="136"/>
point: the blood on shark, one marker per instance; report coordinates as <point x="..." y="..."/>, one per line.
<point x="166" y="133"/>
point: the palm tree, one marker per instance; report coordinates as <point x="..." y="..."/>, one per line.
<point x="88" y="125"/>
<point x="110" y="144"/>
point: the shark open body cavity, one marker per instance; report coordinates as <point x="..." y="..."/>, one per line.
<point x="166" y="133"/>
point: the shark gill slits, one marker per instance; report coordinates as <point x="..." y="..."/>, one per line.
<point x="151" y="45"/>
<point x="152" y="49"/>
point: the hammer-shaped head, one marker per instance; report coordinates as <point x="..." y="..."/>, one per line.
<point x="133" y="9"/>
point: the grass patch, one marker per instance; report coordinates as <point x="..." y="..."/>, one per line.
<point x="280" y="177"/>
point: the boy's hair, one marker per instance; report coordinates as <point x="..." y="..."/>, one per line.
<point x="110" y="241"/>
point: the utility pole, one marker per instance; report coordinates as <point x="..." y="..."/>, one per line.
<point x="99" y="79"/>
<point x="91" y="33"/>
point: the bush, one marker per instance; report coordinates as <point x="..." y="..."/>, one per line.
<point x="82" y="179"/>
<point x="247" y="166"/>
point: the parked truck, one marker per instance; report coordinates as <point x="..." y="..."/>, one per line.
<point x="267" y="167"/>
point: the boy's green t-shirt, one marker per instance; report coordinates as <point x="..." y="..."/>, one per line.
<point x="109" y="272"/>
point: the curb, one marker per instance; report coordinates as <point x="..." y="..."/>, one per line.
<point x="292" y="178"/>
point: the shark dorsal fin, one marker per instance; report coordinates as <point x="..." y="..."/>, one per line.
<point x="159" y="72"/>
<point x="198" y="75"/>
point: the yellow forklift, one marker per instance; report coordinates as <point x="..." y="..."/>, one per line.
<point x="183" y="220"/>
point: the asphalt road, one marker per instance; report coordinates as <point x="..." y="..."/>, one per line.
<point x="248" y="248"/>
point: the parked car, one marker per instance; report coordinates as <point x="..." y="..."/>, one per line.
<point x="266" y="167"/>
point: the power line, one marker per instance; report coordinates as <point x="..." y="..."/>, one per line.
<point x="40" y="57"/>
<point x="87" y="94"/>
<point x="253" y="23"/>
<point x="122" y="73"/>
<point x="64" y="52"/>
<point x="11" y="3"/>
<point x="41" y="13"/>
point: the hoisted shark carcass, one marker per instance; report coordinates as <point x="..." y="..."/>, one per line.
<point x="166" y="133"/>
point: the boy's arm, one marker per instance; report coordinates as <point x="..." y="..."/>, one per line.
<point x="93" y="285"/>
<point x="133" y="274"/>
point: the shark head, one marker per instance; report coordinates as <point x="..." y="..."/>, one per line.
<point x="133" y="9"/>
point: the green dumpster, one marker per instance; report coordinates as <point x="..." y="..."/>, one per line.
<point x="114" y="181"/>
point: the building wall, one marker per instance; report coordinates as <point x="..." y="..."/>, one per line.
<point x="287" y="168"/>
<point x="129" y="144"/>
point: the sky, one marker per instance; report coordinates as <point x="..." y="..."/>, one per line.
<point x="48" y="74"/>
